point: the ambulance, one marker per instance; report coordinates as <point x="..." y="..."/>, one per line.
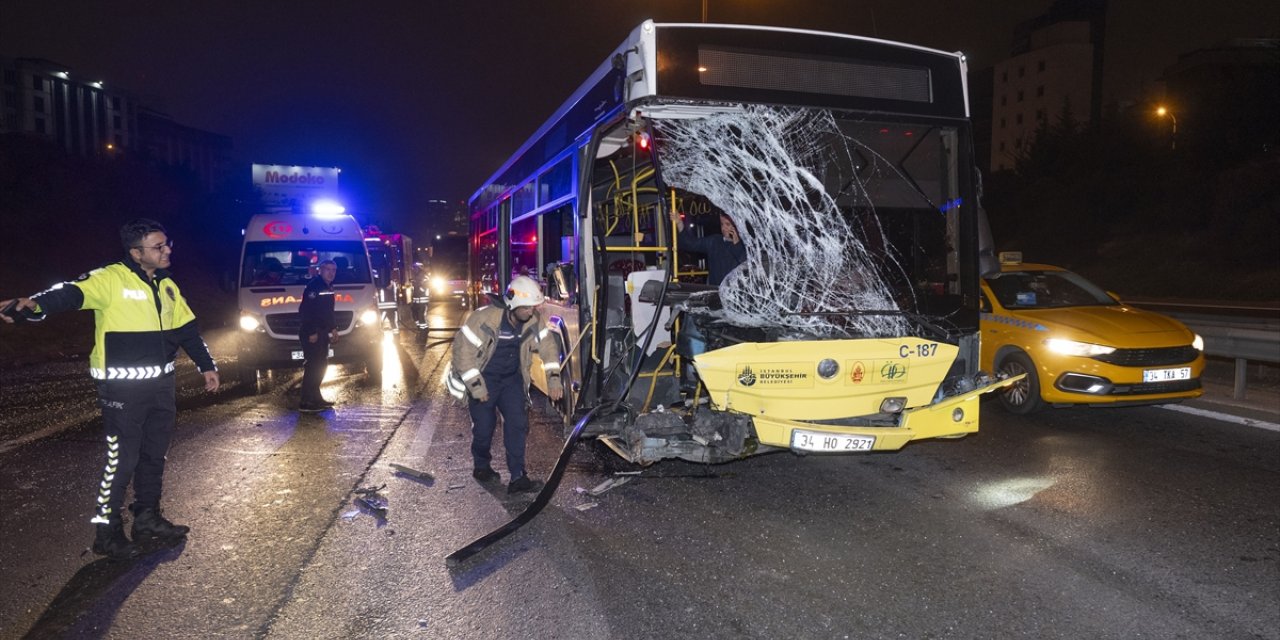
<point x="281" y="253"/>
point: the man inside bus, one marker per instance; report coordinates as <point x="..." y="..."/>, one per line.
<point x="724" y="252"/>
<point x="492" y="358"/>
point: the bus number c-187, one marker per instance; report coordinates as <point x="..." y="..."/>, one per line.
<point x="924" y="351"/>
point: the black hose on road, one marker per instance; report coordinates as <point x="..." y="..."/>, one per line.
<point x="536" y="506"/>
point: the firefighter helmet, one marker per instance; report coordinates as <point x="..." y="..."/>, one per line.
<point x="523" y="292"/>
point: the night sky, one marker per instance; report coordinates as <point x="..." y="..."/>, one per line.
<point x="425" y="99"/>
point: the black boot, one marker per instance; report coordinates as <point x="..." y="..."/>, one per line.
<point x="148" y="523"/>
<point x="109" y="540"/>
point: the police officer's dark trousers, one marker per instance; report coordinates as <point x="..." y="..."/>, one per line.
<point x="138" y="418"/>
<point x="316" y="363"/>
<point x="506" y="396"/>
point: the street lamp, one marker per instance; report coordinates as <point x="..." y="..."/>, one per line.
<point x="1173" y="140"/>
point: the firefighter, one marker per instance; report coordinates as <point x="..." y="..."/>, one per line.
<point x="492" y="357"/>
<point x="141" y="320"/>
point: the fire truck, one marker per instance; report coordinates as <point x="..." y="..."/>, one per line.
<point x="392" y="258"/>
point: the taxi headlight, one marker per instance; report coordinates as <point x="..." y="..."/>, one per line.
<point x="249" y="323"/>
<point x="369" y="316"/>
<point x="1198" y="343"/>
<point x="1073" y="348"/>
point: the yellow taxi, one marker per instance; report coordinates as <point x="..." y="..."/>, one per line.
<point x="1078" y="344"/>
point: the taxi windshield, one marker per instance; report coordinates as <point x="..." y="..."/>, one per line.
<point x="1046" y="290"/>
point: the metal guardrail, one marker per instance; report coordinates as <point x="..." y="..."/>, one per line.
<point x="1240" y="337"/>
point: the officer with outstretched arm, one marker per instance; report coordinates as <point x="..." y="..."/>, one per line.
<point x="141" y="319"/>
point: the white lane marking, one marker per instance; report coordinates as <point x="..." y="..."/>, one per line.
<point x="1225" y="417"/>
<point x="424" y="433"/>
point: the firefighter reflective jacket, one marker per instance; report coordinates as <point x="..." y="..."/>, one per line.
<point x="140" y="323"/>
<point x="476" y="341"/>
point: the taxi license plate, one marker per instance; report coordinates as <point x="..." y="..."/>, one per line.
<point x="1163" y="375"/>
<point x="297" y="355"/>
<point x="818" y="441"/>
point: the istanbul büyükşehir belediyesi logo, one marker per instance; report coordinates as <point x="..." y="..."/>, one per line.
<point x="746" y="377"/>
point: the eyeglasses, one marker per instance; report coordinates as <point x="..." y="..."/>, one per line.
<point x="158" y="248"/>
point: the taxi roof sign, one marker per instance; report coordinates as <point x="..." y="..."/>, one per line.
<point x="1010" y="257"/>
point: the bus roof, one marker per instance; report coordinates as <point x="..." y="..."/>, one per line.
<point x="643" y="39"/>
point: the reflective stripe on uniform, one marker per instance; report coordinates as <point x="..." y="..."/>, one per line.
<point x="544" y="333"/>
<point x="471" y="336"/>
<point x="469" y="374"/>
<point x="551" y="366"/>
<point x="130" y="373"/>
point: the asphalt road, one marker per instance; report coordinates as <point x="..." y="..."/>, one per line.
<point x="1128" y="523"/>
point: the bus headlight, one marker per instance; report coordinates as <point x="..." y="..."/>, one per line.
<point x="893" y="404"/>
<point x="828" y="368"/>
<point x="369" y="317"/>
<point x="249" y="323"/>
<point x="1073" y="348"/>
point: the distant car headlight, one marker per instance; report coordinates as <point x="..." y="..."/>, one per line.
<point x="439" y="285"/>
<point x="249" y="323"/>
<point x="368" y="317"/>
<point x="1198" y="343"/>
<point x="1073" y="348"/>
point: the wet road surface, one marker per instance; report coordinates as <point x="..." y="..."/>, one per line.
<point x="1133" y="523"/>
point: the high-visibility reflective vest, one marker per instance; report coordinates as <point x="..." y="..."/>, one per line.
<point x="140" y="322"/>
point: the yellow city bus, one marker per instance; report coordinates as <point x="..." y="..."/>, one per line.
<point x="845" y="163"/>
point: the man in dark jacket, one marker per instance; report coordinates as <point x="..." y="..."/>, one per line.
<point x="724" y="253"/>
<point x="141" y="320"/>
<point x="317" y="331"/>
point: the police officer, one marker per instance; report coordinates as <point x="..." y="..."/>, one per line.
<point x="317" y="331"/>
<point x="141" y="320"/>
<point x="492" y="356"/>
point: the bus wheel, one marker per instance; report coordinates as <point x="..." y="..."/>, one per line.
<point x="1023" y="396"/>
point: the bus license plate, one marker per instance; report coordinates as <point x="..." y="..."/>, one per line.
<point x="818" y="441"/>
<point x="1164" y="375"/>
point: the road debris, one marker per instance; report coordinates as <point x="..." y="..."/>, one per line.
<point x="587" y="505"/>
<point x="609" y="484"/>
<point x="421" y="475"/>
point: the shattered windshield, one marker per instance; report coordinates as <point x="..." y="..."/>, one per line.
<point x="844" y="220"/>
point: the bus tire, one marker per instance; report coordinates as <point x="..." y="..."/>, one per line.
<point x="1022" y="397"/>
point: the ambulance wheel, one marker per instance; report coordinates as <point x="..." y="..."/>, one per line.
<point x="1023" y="396"/>
<point x="247" y="376"/>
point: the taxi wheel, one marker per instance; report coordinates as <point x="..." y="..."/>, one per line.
<point x="1021" y="397"/>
